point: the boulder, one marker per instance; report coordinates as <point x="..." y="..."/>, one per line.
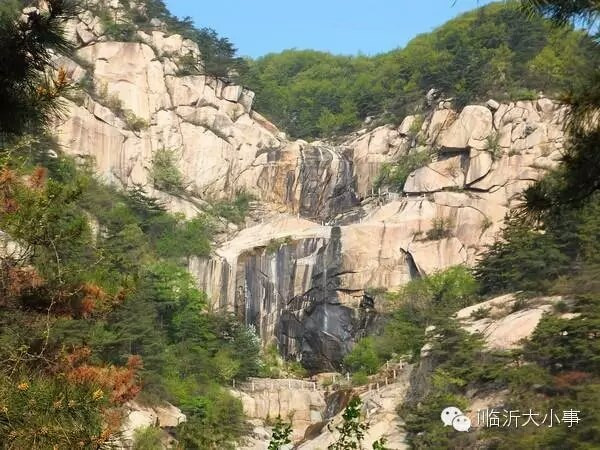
<point x="169" y="416"/>
<point x="440" y="121"/>
<point x="286" y="398"/>
<point x="503" y="327"/>
<point x="138" y="416"/>
<point x="370" y="151"/>
<point x="129" y="72"/>
<point x="492" y="104"/>
<point x="480" y="164"/>
<point x="232" y="93"/>
<point x="407" y="124"/>
<point x="439" y="175"/>
<point x="247" y="99"/>
<point x="546" y="106"/>
<point x="85" y="35"/>
<point x="473" y="126"/>
<point x="155" y="22"/>
<point x="430" y="256"/>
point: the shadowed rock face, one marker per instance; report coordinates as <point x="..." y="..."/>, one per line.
<point x="325" y="166"/>
<point x="316" y="180"/>
<point x="290" y="292"/>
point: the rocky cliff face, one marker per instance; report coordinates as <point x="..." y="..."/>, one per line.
<point x="304" y="284"/>
<point x="222" y="145"/>
<point x="302" y="276"/>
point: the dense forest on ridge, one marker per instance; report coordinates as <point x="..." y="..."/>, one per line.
<point x="495" y="51"/>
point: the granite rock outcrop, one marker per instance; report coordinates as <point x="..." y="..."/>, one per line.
<point x="302" y="276"/>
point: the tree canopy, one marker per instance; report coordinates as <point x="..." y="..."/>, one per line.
<point x="495" y="51"/>
<point x="27" y="38"/>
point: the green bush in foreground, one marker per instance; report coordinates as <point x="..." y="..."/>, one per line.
<point x="47" y="412"/>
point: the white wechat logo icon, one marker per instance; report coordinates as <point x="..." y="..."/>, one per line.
<point x="461" y="423"/>
<point x="448" y="415"/>
<point x="452" y="416"/>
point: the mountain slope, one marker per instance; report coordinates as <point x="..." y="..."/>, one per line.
<point x="492" y="52"/>
<point x="194" y="234"/>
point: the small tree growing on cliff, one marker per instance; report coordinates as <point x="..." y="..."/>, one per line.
<point x="281" y="435"/>
<point x="352" y="430"/>
<point x="164" y="173"/>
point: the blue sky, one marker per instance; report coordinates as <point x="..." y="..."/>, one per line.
<point x="258" y="27"/>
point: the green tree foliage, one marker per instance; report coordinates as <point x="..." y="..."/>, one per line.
<point x="116" y="28"/>
<point x="119" y="291"/>
<point x="417" y="305"/>
<point x="233" y="211"/>
<point x="164" y="173"/>
<point x="351" y="432"/>
<point x="552" y="247"/>
<point x="281" y="435"/>
<point x="219" y="55"/>
<point x="148" y="438"/>
<point x="441" y="228"/>
<point x="495" y="51"/>
<point x="96" y="300"/>
<point x="217" y="419"/>
<point x="575" y="181"/>
<point x="557" y="230"/>
<point x="459" y="363"/>
<point x="394" y="175"/>
<point x="524" y="259"/>
<point x="363" y="357"/>
<point x="567" y="345"/>
<point x="441" y="293"/>
<point x="28" y="91"/>
<point x="42" y="412"/>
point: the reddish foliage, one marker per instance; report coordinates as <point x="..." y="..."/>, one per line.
<point x="53" y="87"/>
<point x="77" y="356"/>
<point x="62" y="79"/>
<point x="120" y="297"/>
<point x="567" y="380"/>
<point x="93" y="296"/>
<point x="37" y="180"/>
<point x="112" y="419"/>
<point x="122" y="382"/>
<point x="8" y="181"/>
<point x="9" y="205"/>
<point x="8" y="178"/>
<point x="18" y="281"/>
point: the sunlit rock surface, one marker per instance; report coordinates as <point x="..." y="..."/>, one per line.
<point x="302" y="273"/>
